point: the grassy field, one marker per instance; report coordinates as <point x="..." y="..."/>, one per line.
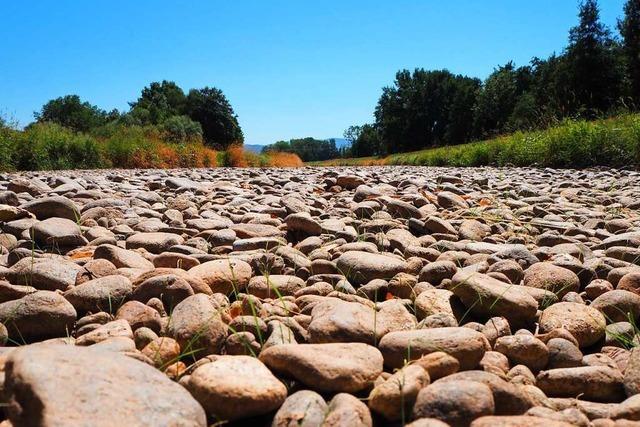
<point x="572" y="144"/>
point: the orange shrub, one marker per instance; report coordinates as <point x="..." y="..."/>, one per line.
<point x="284" y="160"/>
<point x="236" y="157"/>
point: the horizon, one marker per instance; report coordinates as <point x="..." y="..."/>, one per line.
<point x="318" y="82"/>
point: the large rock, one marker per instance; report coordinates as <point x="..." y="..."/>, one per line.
<point x="49" y="207"/>
<point x="585" y="323"/>
<point x="487" y="297"/>
<point x="457" y="403"/>
<point x="197" y="325"/>
<point x="56" y="385"/>
<point x="334" y="320"/>
<point x="396" y="396"/>
<point x="102" y="294"/>
<point x="274" y="285"/>
<point x="304" y="408"/>
<point x="122" y="258"/>
<point x="37" y="316"/>
<point x="545" y="275"/>
<point x="47" y="274"/>
<point x="58" y="233"/>
<point x="465" y="344"/>
<point x="361" y="267"/>
<point x="224" y="276"/>
<point x="348" y="367"/>
<point x="597" y="383"/>
<point x="154" y="242"/>
<point x="233" y="387"/>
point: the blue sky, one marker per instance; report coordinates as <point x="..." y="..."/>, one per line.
<point x="289" y="68"/>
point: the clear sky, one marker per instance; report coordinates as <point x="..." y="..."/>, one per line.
<point x="290" y="68"/>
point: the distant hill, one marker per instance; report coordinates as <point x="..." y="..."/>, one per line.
<point x="254" y="148"/>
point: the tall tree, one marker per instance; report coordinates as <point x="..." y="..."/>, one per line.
<point x="629" y="28"/>
<point x="158" y="102"/>
<point x="425" y="109"/>
<point x="596" y="76"/>
<point x="69" y="111"/>
<point x="212" y="110"/>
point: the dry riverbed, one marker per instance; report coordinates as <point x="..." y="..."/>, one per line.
<point x="320" y="297"/>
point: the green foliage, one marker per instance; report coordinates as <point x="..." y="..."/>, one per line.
<point x="308" y="149"/>
<point x="629" y="28"/>
<point x="51" y="146"/>
<point x="365" y="141"/>
<point x="212" y="110"/>
<point x="426" y="108"/>
<point x="181" y="129"/>
<point x="595" y="67"/>
<point x="157" y="103"/>
<point x="69" y="111"/>
<point x="572" y="144"/>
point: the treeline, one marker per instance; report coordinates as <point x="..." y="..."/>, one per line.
<point x="163" y="127"/>
<point x="199" y="115"/>
<point x="308" y="149"/>
<point x="596" y="75"/>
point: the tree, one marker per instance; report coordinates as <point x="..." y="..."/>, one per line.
<point x="594" y="64"/>
<point x="308" y="149"/>
<point x="180" y="129"/>
<point x="629" y="28"/>
<point x="212" y="110"/>
<point x="158" y="102"/>
<point x="425" y="108"/>
<point x="365" y="141"/>
<point x="69" y="111"/>
<point x="497" y="100"/>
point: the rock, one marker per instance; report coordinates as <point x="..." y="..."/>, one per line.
<point x="598" y="383"/>
<point x="196" y="323"/>
<point x="466" y="345"/>
<point x="103" y="294"/>
<point x="525" y="350"/>
<point x="347" y="410"/>
<point x="37" y="316"/>
<point x="349" y="367"/>
<point x="545" y="275"/>
<point x="487" y="297"/>
<point x="456" y="403"/>
<point x="50" y="207"/>
<point x="398" y="391"/>
<point x="361" y="267"/>
<point x="585" y="323"/>
<point x="223" y="276"/>
<point x="303" y="408"/>
<point x="122" y="258"/>
<point x="618" y="305"/>
<point x="302" y="222"/>
<point x="48" y="274"/>
<point x="154" y="242"/>
<point x="58" y="233"/>
<point x="274" y="286"/>
<point x="235" y="387"/>
<point x="67" y="385"/>
<point x="436" y="272"/>
<point x="517" y="421"/>
<point x="334" y="320"/>
<point x="632" y="373"/>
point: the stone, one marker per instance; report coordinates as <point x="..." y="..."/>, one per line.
<point x="334" y="367"/>
<point x="67" y="385"/>
<point x="585" y="323"/>
<point x="466" y="345"/>
<point x="37" y="316"/>
<point x="235" y="387"/>
<point x="361" y="267"/>
<point x="223" y="276"/>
